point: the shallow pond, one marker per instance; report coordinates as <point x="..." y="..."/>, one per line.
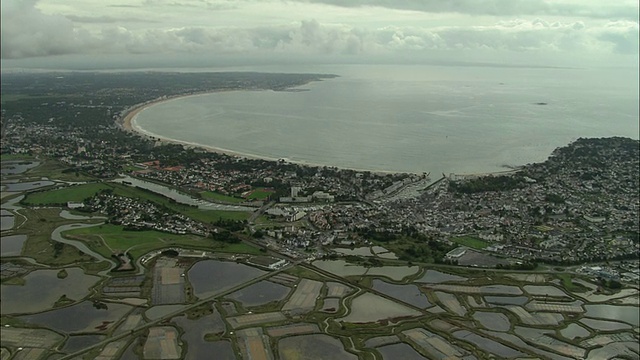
<point x="393" y="272"/>
<point x="574" y="331"/>
<point x="331" y="305"/>
<point x="211" y="276"/>
<point x="630" y="314"/>
<point x="604" y="325"/>
<point x="501" y="289"/>
<point x="451" y="302"/>
<point x="23" y="186"/>
<point x="387" y="255"/>
<point x="409" y="294"/>
<point x="544" y="290"/>
<point x="340" y="267"/>
<point x="83" y="317"/>
<point x="16" y="167"/>
<point x="7" y="220"/>
<point x="399" y="351"/>
<point x="493" y="320"/>
<point x="12" y="245"/>
<point x="79" y="342"/>
<point x="260" y="293"/>
<point x="378" y="250"/>
<point x="43" y="288"/>
<point x="525" y="346"/>
<point x="488" y="345"/>
<point x="194" y="332"/>
<point x="506" y="300"/>
<point x="370" y="308"/>
<point x="437" y="277"/>
<point x="335" y="289"/>
<point x="317" y="347"/>
<point x="343" y="268"/>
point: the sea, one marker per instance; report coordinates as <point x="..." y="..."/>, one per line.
<point x="409" y="118"/>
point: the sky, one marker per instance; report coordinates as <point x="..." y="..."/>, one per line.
<point x="79" y="34"/>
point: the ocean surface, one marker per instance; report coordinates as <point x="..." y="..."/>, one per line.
<point x="438" y="119"/>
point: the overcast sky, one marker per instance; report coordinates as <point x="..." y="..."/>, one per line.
<point x="76" y="33"/>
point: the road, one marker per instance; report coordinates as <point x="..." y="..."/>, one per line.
<point x="259" y="212"/>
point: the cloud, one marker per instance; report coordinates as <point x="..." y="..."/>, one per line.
<point x="106" y="19"/>
<point x="28" y="32"/>
<point x="622" y="35"/>
<point x="600" y="10"/>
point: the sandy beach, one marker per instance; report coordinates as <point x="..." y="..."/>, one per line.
<point x="128" y="123"/>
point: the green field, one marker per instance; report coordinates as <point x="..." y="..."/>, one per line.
<point x="62" y="196"/>
<point x="214" y="196"/>
<point x="259" y="194"/>
<point x="53" y="169"/>
<point x="108" y="238"/>
<point x="207" y="216"/>
<point x="471" y="242"/>
<point x="39" y="226"/>
<point x="13" y="157"/>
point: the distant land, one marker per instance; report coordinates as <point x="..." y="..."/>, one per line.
<point x="117" y="245"/>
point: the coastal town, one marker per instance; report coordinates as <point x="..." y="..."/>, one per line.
<point x="571" y="209"/>
<point x="574" y="215"/>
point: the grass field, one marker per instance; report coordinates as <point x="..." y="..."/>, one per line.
<point x="569" y="284"/>
<point x="214" y="196"/>
<point x="207" y="216"/>
<point x="12" y="157"/>
<point x="38" y="228"/>
<point x="52" y="169"/>
<point x="471" y="242"/>
<point x="259" y="194"/>
<point x="62" y="196"/>
<point x="107" y="238"/>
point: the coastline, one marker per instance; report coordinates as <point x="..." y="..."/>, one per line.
<point x="128" y="123"/>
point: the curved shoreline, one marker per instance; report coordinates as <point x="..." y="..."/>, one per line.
<point x="128" y="123"/>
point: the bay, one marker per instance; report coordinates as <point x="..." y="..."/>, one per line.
<point x="439" y="119"/>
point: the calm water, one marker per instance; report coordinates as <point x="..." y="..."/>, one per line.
<point x="12" y="245"/>
<point x="260" y="293"/>
<point x="399" y="351"/>
<point x="410" y="294"/>
<point x="211" y="276"/>
<point x="410" y="118"/>
<point x="82" y="318"/>
<point x="630" y="314"/>
<point x="43" y="288"/>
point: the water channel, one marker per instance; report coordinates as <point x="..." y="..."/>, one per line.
<point x="178" y="196"/>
